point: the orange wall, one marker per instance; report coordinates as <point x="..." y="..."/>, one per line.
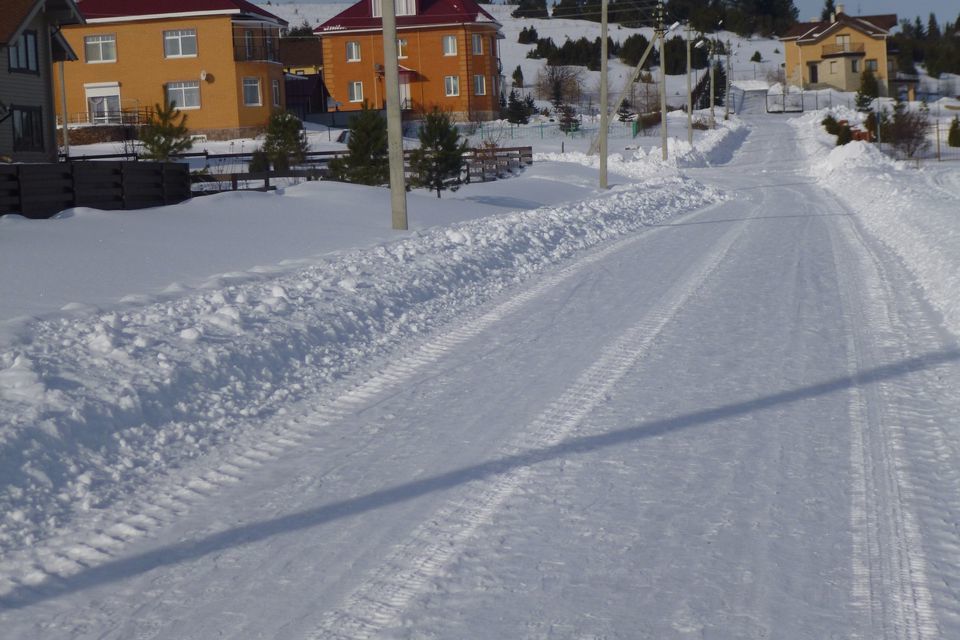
<point x="424" y="56"/>
<point x="142" y="71"/>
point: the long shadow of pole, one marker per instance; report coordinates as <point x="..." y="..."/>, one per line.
<point x="186" y="551"/>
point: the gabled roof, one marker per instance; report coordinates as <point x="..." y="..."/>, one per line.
<point x="17" y="13"/>
<point x="359" y="17"/>
<point x="124" y="10"/>
<point x="874" y="26"/>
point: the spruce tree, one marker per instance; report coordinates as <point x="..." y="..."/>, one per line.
<point x="953" y="137"/>
<point x="165" y="133"/>
<point x="869" y="89"/>
<point x="286" y="141"/>
<point x="516" y="109"/>
<point x="518" y="78"/>
<point x="438" y="162"/>
<point x="366" y="161"/>
<point x="625" y="113"/>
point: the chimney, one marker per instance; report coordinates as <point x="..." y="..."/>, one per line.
<point x="840" y="9"/>
<point x="833" y="17"/>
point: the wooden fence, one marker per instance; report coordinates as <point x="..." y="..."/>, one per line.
<point x="43" y="190"/>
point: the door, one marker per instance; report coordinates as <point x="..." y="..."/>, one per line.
<point x="405" y="102"/>
<point x="814" y="72"/>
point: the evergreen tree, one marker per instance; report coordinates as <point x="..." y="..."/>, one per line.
<point x="529" y="104"/>
<point x="438" y="162"/>
<point x="829" y="9"/>
<point x="528" y="35"/>
<point x="569" y="120"/>
<point x="165" y="133"/>
<point x="366" y="161"/>
<point x="531" y="9"/>
<point x="516" y="109"/>
<point x="756" y="57"/>
<point x="869" y="89"/>
<point x="719" y="84"/>
<point x="953" y="137"/>
<point x="286" y="141"/>
<point x="518" y="78"/>
<point x="625" y="113"/>
<point x="302" y="30"/>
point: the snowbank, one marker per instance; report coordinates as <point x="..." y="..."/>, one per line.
<point x="903" y="206"/>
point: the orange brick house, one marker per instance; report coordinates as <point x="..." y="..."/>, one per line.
<point x="448" y="57"/>
<point x="218" y="60"/>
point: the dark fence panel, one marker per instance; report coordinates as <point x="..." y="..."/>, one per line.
<point x="43" y="190"/>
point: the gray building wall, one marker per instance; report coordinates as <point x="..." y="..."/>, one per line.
<point x="29" y="90"/>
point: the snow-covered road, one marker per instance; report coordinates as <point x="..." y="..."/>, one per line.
<point x="739" y="423"/>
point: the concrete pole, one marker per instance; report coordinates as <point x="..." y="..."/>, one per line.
<point x="663" y="82"/>
<point x="726" y="99"/>
<point x="604" y="106"/>
<point x="391" y="75"/>
<point x="63" y="107"/>
<point x="713" y="92"/>
<point x="689" y="93"/>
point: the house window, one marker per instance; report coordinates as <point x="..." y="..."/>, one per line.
<point x="27" y="128"/>
<point x="449" y="45"/>
<point x="855" y="66"/>
<point x="402" y="8"/>
<point x="23" y="53"/>
<point x="843" y="43"/>
<point x="101" y="48"/>
<point x="251" y="92"/>
<point x="451" y="85"/>
<point x="355" y="91"/>
<point x="479" y="85"/>
<point x="833" y="67"/>
<point x="180" y="43"/>
<point x="353" y="51"/>
<point x="871" y="65"/>
<point x="477" y="44"/>
<point x="184" y="95"/>
<point x="276" y="93"/>
<point x="402" y="48"/>
<point x="103" y="102"/>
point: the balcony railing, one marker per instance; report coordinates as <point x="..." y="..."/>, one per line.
<point x="855" y="48"/>
<point x="134" y="116"/>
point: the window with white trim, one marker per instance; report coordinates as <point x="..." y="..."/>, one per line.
<point x="184" y="95"/>
<point x="101" y="48"/>
<point x="401" y="47"/>
<point x="402" y="8"/>
<point x="23" y="53"/>
<point x="449" y="45"/>
<point x="180" y="43"/>
<point x="451" y="85"/>
<point x="353" y="51"/>
<point x="479" y="85"/>
<point x="276" y="92"/>
<point x="477" y="44"/>
<point x="251" y="92"/>
<point x="355" y="91"/>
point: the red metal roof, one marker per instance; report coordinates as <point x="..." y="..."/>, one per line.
<point x="105" y="9"/>
<point x="429" y="12"/>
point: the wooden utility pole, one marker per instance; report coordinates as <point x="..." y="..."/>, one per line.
<point x="604" y="107"/>
<point x="689" y="93"/>
<point x="391" y="78"/>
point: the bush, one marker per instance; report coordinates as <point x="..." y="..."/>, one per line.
<point x="953" y="138"/>
<point x="844" y="136"/>
<point x="831" y="125"/>
<point x="259" y="162"/>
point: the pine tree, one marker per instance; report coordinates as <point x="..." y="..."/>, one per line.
<point x="518" y="78"/>
<point x="366" y="161"/>
<point x="569" y="120"/>
<point x="869" y="89"/>
<point x="516" y="109"/>
<point x="438" y="162"/>
<point x="829" y="9"/>
<point x="953" y="137"/>
<point x="625" y="113"/>
<point x="286" y="141"/>
<point x="530" y="105"/>
<point x="165" y="133"/>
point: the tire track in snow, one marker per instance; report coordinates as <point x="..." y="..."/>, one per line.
<point x="889" y="564"/>
<point x="379" y="601"/>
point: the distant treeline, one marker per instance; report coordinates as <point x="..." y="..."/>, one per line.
<point x="936" y="48"/>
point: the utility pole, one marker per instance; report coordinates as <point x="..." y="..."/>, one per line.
<point x="604" y="107"/>
<point x="391" y="76"/>
<point x="713" y="91"/>
<point x="63" y="107"/>
<point x="726" y="99"/>
<point x="663" y="82"/>
<point x="689" y="93"/>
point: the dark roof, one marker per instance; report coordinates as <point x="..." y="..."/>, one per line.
<point x="870" y="25"/>
<point x="16" y="13"/>
<point x="429" y="12"/>
<point x="301" y="51"/>
<point x="105" y="9"/>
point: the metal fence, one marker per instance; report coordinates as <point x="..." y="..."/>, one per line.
<point x="503" y="132"/>
<point x="799" y="101"/>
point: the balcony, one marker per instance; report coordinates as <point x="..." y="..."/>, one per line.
<point x="850" y="49"/>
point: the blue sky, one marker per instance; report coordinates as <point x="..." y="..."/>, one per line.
<point x="946" y="10"/>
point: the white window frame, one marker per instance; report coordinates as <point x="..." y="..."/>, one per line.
<point x="479" y="85"/>
<point x="99" y="39"/>
<point x="449" y="45"/>
<point x="353" y="51"/>
<point x="249" y="46"/>
<point x="248" y="82"/>
<point x="183" y="88"/>
<point x="402" y="47"/>
<point x="477" y="40"/>
<point x="355" y="91"/>
<point x="402" y="8"/>
<point x="276" y="92"/>
<point x="103" y="91"/>
<point x="451" y="86"/>
<point x="178" y="36"/>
